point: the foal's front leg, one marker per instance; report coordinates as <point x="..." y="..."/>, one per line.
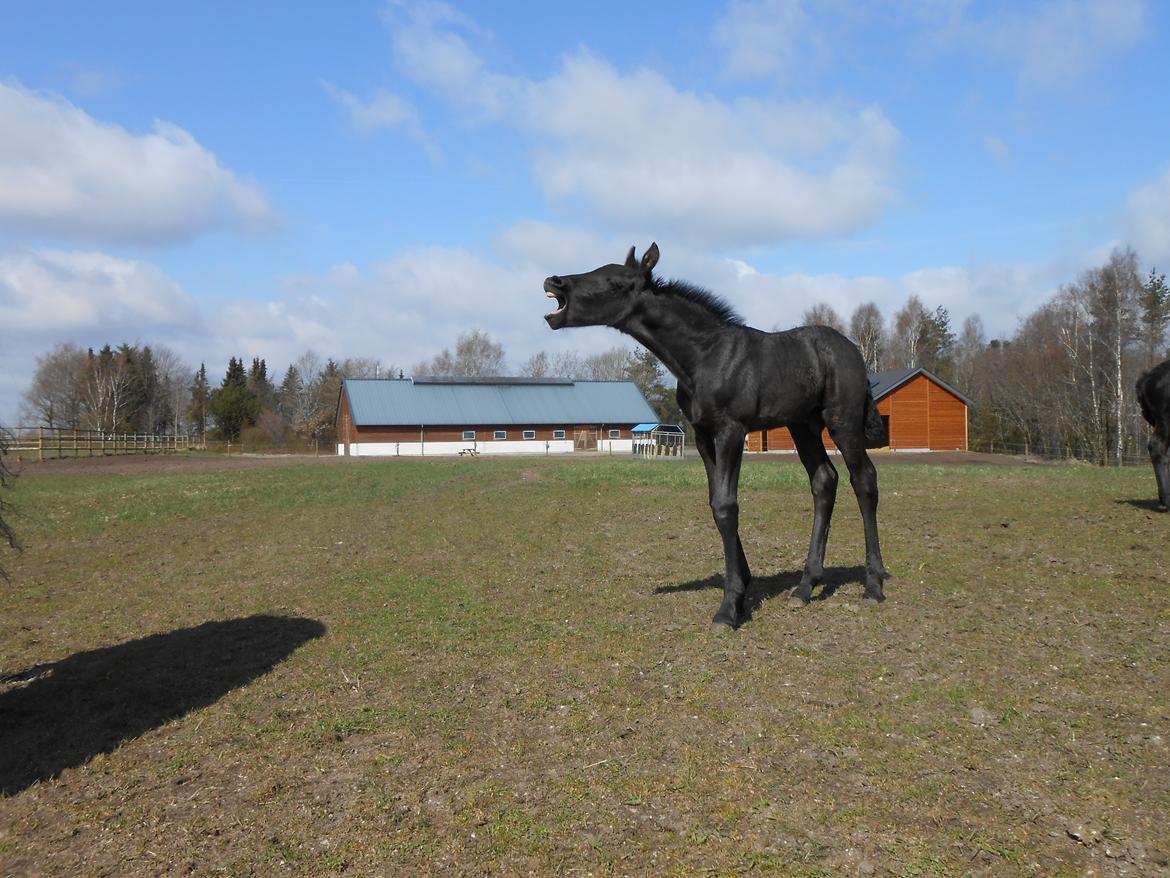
<point x="722" y="455"/>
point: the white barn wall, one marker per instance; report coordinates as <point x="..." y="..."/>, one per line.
<point x="441" y="449"/>
<point x="616" y="446"/>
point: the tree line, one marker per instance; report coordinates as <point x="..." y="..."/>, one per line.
<point x="1062" y="383"/>
<point x="136" y="388"/>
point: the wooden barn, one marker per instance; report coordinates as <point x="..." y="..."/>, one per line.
<point x="922" y="411"/>
<point x="435" y="416"/>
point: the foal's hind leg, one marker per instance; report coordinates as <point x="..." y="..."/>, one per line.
<point x="1160" y="456"/>
<point x="822" y="478"/>
<point x="863" y="477"/>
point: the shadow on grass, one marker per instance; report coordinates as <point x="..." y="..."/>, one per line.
<point x="62" y="714"/>
<point x="1148" y="505"/>
<point x="764" y="588"/>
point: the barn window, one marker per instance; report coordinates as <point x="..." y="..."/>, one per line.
<point x="468" y="435"/>
<point x="500" y="434"/>
<point x="529" y="434"/>
<point x="558" y="434"/>
<point x="615" y="434"/>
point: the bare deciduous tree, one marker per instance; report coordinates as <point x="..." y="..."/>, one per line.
<point x="476" y="356"/>
<point x="536" y="366"/>
<point x="610" y="365"/>
<point x="866" y="328"/>
<point x="822" y="314"/>
<point x="105" y="389"/>
<point x="910" y="328"/>
<point x="968" y="347"/>
<point x="53" y="399"/>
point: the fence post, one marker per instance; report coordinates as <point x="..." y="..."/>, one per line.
<point x="40" y="443"/>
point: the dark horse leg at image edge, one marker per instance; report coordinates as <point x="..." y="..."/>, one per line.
<point x="733" y="379"/>
<point x="1153" y="393"/>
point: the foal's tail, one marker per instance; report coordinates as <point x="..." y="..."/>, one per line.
<point x="877" y="433"/>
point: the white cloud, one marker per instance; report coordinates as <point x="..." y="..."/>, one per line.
<point x="430" y="41"/>
<point x="385" y="110"/>
<point x="94" y="81"/>
<point x="51" y="296"/>
<point x="1047" y="44"/>
<point x="1147" y="220"/>
<point x="999" y="294"/>
<point x="48" y="291"/>
<point x="1062" y="40"/>
<point x="68" y="175"/>
<point x="768" y="38"/>
<point x="1050" y="44"/>
<point x="637" y="152"/>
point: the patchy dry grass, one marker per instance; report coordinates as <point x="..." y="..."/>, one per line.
<point x="504" y="667"/>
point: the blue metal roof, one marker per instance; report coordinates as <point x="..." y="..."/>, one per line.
<point x="393" y="401"/>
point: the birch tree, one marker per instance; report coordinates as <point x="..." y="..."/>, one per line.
<point x="866" y="328"/>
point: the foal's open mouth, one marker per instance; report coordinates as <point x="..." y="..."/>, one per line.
<point x="561" y="301"/>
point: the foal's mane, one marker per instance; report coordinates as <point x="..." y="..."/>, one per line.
<point x="705" y="299"/>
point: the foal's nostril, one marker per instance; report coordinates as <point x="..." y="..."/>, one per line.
<point x="556" y="281"/>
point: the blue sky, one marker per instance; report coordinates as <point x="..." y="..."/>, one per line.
<point x="373" y="178"/>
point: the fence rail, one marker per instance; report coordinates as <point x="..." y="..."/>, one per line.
<point x="1130" y="457"/>
<point x="45" y="443"/>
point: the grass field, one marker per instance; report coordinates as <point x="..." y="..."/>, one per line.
<point x="489" y="667"/>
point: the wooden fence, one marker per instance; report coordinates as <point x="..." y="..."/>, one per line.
<point x="44" y="443"/>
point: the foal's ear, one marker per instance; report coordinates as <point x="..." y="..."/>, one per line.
<point x="649" y="258"/>
<point x="631" y="262"/>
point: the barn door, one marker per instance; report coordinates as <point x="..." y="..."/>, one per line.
<point x="585" y="440"/>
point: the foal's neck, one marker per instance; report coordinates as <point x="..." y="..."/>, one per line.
<point x="679" y="324"/>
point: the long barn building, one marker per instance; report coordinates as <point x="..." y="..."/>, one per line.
<point x="922" y="411"/>
<point x="442" y="416"/>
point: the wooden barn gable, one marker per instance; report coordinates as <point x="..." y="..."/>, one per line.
<point x="923" y="413"/>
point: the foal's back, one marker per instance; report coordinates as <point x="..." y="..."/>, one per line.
<point x="1153" y="393"/>
<point x="806" y="373"/>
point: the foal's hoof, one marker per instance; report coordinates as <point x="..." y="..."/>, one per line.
<point x="872" y="600"/>
<point x="796" y="602"/>
<point x="721" y="629"/>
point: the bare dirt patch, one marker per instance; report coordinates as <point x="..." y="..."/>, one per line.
<point x="132" y="464"/>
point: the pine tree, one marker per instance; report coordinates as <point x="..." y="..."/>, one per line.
<point x="289" y="395"/>
<point x="233" y="405"/>
<point x="328" y="392"/>
<point x="1155" y="316"/>
<point x="643" y="368"/>
<point x="938" y="344"/>
<point x="200" y="406"/>
<point x="150" y="400"/>
<point x="259" y="384"/>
